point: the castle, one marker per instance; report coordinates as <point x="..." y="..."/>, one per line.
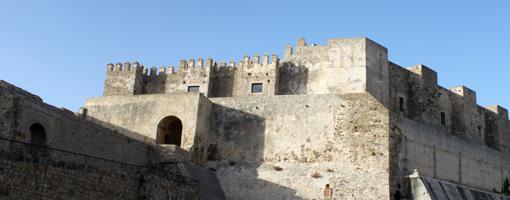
<point x="339" y="114"/>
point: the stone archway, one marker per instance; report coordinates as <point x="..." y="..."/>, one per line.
<point x="169" y="131"/>
<point x="37" y="141"/>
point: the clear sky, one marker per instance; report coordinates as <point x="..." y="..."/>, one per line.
<point x="59" y="49"/>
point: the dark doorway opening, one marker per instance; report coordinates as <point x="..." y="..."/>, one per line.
<point x="169" y="131"/>
<point x="402" y="104"/>
<point x="37" y="141"/>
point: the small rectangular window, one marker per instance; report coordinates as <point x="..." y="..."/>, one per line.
<point x="480" y="132"/>
<point x="402" y="104"/>
<point x="443" y="119"/>
<point x="256" y="88"/>
<point x="193" y="88"/>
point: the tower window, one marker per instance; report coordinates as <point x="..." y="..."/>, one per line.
<point x="480" y="132"/>
<point x="443" y="119"/>
<point x="256" y="88"/>
<point x="193" y="88"/>
<point x="402" y="104"/>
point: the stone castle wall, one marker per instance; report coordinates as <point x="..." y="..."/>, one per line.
<point x="253" y="134"/>
<point x="62" y="126"/>
<point x="314" y="139"/>
<point x="212" y="79"/>
<point x="341" y="66"/>
<point x="21" y="180"/>
<point x="142" y="114"/>
<point x="58" y="180"/>
<point x="352" y="65"/>
<point x="252" y="71"/>
<point x="79" y="159"/>
<point x="445" y="134"/>
<point x="291" y="146"/>
<point x="338" y="114"/>
<point x="454" y="111"/>
<point x="437" y="154"/>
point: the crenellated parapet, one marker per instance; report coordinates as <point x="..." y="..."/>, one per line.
<point x="237" y="78"/>
<point x="256" y="76"/>
<point x="124" y="79"/>
<point x="134" y="78"/>
<point x="342" y="66"/>
<point x="127" y="67"/>
<point x="222" y="79"/>
<point x="346" y="65"/>
<point x="416" y="95"/>
<point x="155" y="78"/>
<point x="191" y="76"/>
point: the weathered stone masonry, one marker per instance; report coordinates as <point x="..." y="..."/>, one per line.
<point x="78" y="159"/>
<point x="266" y="127"/>
<point x="287" y="124"/>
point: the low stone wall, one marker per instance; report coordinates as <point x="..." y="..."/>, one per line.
<point x="25" y="175"/>
<point x="63" y="129"/>
<point x="25" y="180"/>
<point x="158" y="188"/>
<point x="22" y="180"/>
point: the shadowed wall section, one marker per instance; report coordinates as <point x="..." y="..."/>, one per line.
<point x="290" y="147"/>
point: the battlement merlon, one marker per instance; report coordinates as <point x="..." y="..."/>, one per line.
<point x="195" y="65"/>
<point x="425" y="73"/>
<point x="499" y="110"/>
<point x="127" y="67"/>
<point x="250" y="71"/>
<point x="255" y="61"/>
<point x="193" y="75"/>
<point x="123" y="79"/>
<point x="465" y="92"/>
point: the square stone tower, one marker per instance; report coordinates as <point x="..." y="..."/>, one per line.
<point x="347" y="65"/>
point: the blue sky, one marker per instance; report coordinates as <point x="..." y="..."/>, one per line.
<point x="59" y="49"/>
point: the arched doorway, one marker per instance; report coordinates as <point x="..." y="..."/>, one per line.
<point x="37" y="141"/>
<point x="169" y="131"/>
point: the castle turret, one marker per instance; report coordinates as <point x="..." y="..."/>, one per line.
<point x="123" y="79"/>
<point x="351" y="65"/>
